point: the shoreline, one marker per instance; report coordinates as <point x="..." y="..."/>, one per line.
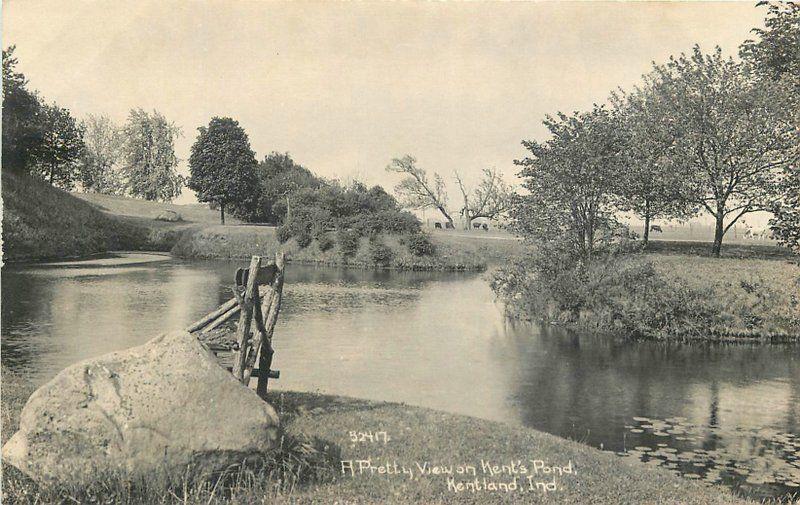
<point x="419" y="439"/>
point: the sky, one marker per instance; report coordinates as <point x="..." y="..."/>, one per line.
<point x="345" y="87"/>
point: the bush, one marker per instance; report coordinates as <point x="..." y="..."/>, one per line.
<point x="303" y="239"/>
<point x="348" y="242"/>
<point x="325" y="242"/>
<point x="283" y="233"/>
<point x="613" y="292"/>
<point x="380" y="253"/>
<point x="420" y="244"/>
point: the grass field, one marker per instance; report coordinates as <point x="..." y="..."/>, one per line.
<point x="132" y="207"/>
<point x="307" y="467"/>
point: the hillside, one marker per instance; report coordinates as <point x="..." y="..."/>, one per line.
<point x="43" y="222"/>
<point x="40" y="221"/>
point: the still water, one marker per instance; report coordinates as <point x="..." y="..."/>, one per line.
<point x="724" y="414"/>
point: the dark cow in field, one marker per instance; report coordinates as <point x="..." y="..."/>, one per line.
<point x="437" y="226"/>
<point x="476" y="225"/>
<point x="656" y="228"/>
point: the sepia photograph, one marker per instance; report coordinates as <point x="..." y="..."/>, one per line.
<point x="413" y="252"/>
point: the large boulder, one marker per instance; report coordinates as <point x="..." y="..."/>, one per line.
<point x="158" y="408"/>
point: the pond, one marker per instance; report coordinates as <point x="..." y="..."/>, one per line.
<point x="726" y="414"/>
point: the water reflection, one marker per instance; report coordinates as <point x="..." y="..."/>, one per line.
<point x="440" y="340"/>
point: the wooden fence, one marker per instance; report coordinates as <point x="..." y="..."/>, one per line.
<point x="257" y="294"/>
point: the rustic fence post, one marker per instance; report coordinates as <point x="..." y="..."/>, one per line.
<point x="246" y="317"/>
<point x="273" y="305"/>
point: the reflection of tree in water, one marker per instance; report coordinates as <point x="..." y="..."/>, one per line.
<point x="591" y="389"/>
<point x="25" y="298"/>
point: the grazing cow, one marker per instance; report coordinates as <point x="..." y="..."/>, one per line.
<point x="476" y="225"/>
<point x="656" y="228"/>
<point x="748" y="233"/>
<point x="485" y="227"/>
<point x="449" y="226"/>
<point x="437" y="225"/>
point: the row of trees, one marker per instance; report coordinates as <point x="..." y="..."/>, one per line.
<point x="45" y="140"/>
<point x="702" y="133"/>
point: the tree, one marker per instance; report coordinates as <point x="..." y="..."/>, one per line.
<point x="99" y="170"/>
<point x="278" y="178"/>
<point x="222" y="165"/>
<point x="415" y="191"/>
<point x="22" y="123"/>
<point x="56" y="157"/>
<point x="571" y="181"/>
<point x="491" y="198"/>
<point x="148" y="156"/>
<point x="652" y="187"/>
<point x="735" y="133"/>
<point x="776" y="57"/>
<point x="776" y="53"/>
<point x="785" y="223"/>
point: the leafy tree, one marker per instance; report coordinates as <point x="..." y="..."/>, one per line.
<point x="571" y="181"/>
<point x="148" y="156"/>
<point x="735" y="133"/>
<point x="222" y="165"/>
<point x="22" y="123"/>
<point x="415" y="191"/>
<point x="56" y="157"/>
<point x="785" y="223"/>
<point x="99" y="170"/>
<point x="776" y="53"/>
<point x="776" y="57"/>
<point x="490" y="199"/>
<point x="278" y="178"/>
<point x="650" y="185"/>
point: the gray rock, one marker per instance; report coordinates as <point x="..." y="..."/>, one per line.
<point x="156" y="409"/>
<point x="169" y="215"/>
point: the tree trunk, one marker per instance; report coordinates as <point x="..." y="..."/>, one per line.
<point x="646" y="235"/>
<point x="447" y="216"/>
<point x="719" y="231"/>
<point x="222" y="213"/>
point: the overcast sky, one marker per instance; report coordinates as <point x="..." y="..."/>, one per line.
<point x="344" y="87"/>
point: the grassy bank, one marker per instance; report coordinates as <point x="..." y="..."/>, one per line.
<point x="666" y="292"/>
<point x="307" y="467"/>
<point x="40" y="222"/>
<point x="43" y="222"/>
<point x="453" y="252"/>
<point x="755" y="298"/>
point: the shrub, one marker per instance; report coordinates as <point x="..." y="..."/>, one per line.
<point x="419" y="244"/>
<point x="348" y="242"/>
<point x="380" y="253"/>
<point x="325" y="242"/>
<point x="283" y="233"/>
<point x="303" y="239"/>
<point x="397" y="222"/>
<point x="612" y="292"/>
